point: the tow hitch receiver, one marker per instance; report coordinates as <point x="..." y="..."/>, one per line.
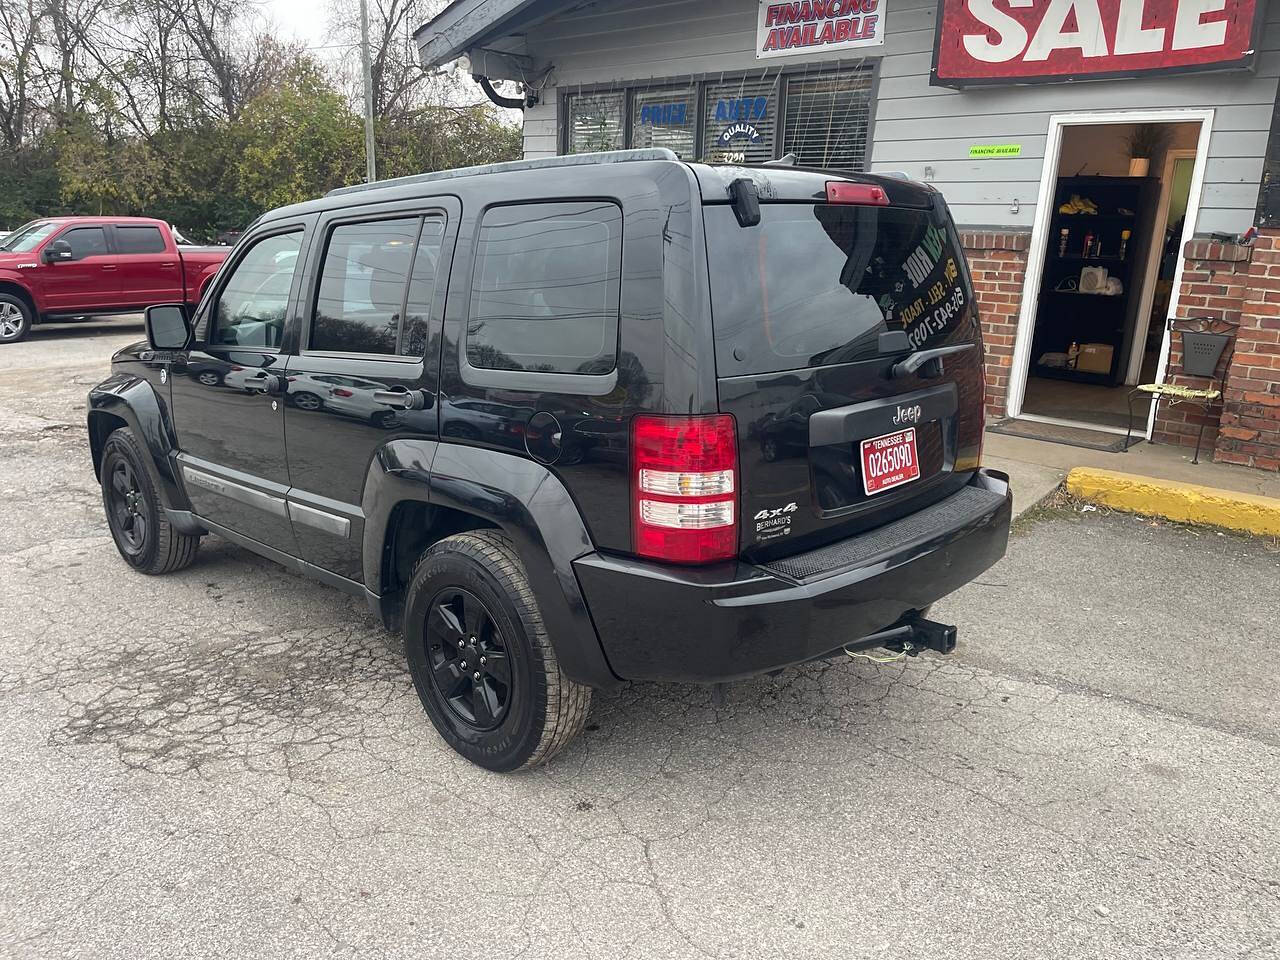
<point x="911" y="638"/>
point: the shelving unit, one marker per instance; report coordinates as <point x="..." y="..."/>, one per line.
<point x="1062" y="316"/>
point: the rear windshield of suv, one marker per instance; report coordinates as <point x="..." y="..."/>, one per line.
<point x="816" y="284"/>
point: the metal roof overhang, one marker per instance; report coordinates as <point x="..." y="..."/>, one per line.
<point x="465" y="24"/>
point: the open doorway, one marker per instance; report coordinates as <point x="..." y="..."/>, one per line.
<point x="1106" y="264"/>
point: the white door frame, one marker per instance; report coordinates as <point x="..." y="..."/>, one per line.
<point x="1155" y="251"/>
<point x="1021" y="364"/>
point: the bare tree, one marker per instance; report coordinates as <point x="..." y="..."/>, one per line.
<point x="20" y="36"/>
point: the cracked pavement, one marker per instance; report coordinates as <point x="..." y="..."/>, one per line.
<point x="231" y="761"/>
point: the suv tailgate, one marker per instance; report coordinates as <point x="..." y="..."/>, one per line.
<point x="831" y="441"/>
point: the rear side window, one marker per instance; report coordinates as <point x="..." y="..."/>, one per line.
<point x="546" y="287"/>
<point x="816" y="284"/>
<point x="362" y="286"/>
<point x="139" y="240"/>
<point x="422" y="289"/>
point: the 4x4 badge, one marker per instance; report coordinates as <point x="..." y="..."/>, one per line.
<point x="768" y="514"/>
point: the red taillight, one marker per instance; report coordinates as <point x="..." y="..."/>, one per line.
<point x="684" y="482"/>
<point x="342" y="392"/>
<point x="868" y="194"/>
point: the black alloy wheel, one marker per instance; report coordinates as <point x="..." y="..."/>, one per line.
<point x="480" y="657"/>
<point x="127" y="508"/>
<point x="135" y="514"/>
<point x="470" y="669"/>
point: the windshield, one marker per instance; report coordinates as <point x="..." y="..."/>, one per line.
<point x="816" y="284"/>
<point x="28" y="236"/>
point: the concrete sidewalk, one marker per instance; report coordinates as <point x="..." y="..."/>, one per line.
<point x="1037" y="467"/>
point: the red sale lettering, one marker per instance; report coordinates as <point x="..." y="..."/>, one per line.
<point x="992" y="41"/>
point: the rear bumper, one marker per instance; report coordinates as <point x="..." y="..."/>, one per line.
<point x="658" y="622"/>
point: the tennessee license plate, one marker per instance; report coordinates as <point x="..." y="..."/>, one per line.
<point x="889" y="461"/>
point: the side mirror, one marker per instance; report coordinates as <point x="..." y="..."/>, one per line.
<point x="58" y="251"/>
<point x="167" y="326"/>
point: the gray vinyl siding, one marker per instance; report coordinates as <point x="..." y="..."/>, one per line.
<point x="914" y="124"/>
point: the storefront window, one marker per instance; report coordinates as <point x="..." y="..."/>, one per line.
<point x="666" y="118"/>
<point x="738" y="121"/>
<point x="827" y="120"/>
<point x="823" y="118"/>
<point x="595" y="122"/>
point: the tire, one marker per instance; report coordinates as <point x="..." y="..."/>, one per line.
<point x="142" y="533"/>
<point x="209" y="378"/>
<point x="307" y="401"/>
<point x="471" y="590"/>
<point x="15" y="318"/>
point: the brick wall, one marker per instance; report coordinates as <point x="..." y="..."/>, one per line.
<point x="1250" y="427"/>
<point x="1225" y="281"/>
<point x="998" y="262"/>
<point x="1213" y="285"/>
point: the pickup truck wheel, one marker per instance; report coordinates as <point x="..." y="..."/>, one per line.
<point x="481" y="659"/>
<point x="135" y="516"/>
<point x="15" y="318"/>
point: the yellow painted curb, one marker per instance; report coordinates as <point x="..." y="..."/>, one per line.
<point x="1185" y="502"/>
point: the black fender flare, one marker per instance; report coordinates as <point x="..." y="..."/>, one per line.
<point x="521" y="497"/>
<point x="133" y="400"/>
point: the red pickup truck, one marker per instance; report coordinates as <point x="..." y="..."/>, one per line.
<point x="62" y="268"/>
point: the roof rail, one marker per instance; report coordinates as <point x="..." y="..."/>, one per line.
<point x="510" y="166"/>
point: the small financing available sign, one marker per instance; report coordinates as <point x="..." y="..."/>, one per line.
<point x="807" y="27"/>
<point x="983" y="151"/>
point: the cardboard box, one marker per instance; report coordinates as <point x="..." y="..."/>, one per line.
<point x="1095" y="357"/>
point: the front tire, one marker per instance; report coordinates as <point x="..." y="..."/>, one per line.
<point x="142" y="533"/>
<point x="15" y="318"/>
<point x="480" y="657"/>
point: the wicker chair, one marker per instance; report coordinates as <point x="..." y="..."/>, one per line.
<point x="1204" y="341"/>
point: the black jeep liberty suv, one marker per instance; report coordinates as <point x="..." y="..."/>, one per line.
<point x="576" y="421"/>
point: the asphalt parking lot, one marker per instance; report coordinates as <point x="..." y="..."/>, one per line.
<point x="231" y="762"/>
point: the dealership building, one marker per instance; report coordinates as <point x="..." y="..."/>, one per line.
<point x="1106" y="161"/>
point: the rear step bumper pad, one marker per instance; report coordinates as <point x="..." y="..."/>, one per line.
<point x="707" y="625"/>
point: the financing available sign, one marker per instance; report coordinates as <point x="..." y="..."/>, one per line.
<point x="1023" y="41"/>
<point x="809" y="27"/>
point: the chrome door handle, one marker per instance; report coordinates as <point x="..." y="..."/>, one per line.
<point x="401" y="399"/>
<point x="271" y="383"/>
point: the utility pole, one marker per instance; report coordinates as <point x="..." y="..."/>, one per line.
<point x="371" y="166"/>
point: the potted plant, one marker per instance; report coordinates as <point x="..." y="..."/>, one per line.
<point x="1145" y="141"/>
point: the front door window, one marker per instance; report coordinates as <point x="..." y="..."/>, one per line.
<point x="251" y="308"/>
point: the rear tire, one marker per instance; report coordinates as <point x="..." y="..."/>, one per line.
<point x="470" y="612"/>
<point x="142" y="533"/>
<point x="15" y="318"/>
